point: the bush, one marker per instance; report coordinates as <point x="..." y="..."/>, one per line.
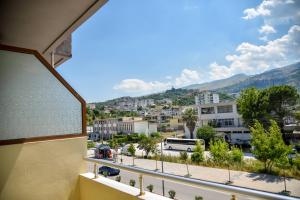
<point x="172" y="194"/>
<point x="90" y="144"/>
<point x="219" y="151"/>
<point x="118" y="178"/>
<point x="198" y="198"/>
<point x="236" y="155"/>
<point x="132" y="182"/>
<point x="150" y="187"/>
<point x="197" y="157"/>
<point x="105" y="173"/>
<point x="296" y="162"/>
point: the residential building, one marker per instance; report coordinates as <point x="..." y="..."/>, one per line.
<point x="206" y="97"/>
<point x="144" y="103"/>
<point x="226" y="120"/>
<point x="91" y="106"/>
<point x="126" y="125"/>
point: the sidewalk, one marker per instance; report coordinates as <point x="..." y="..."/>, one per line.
<point x="257" y="181"/>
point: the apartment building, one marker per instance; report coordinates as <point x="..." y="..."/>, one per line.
<point x="206" y="97"/>
<point x="106" y="128"/>
<point x="223" y="116"/>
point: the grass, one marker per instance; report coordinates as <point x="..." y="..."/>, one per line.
<point x="248" y="165"/>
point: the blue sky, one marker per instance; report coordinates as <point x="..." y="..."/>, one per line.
<point x="133" y="47"/>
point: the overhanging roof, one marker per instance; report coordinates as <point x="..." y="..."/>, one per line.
<point x="43" y="25"/>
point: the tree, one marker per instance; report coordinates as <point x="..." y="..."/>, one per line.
<point x="156" y="152"/>
<point x="206" y="133"/>
<point x="114" y="145"/>
<point x="235" y="156"/>
<point x="131" y="149"/>
<point x="283" y="163"/>
<point x="183" y="156"/>
<point x="148" y="144"/>
<point x="190" y="118"/>
<point x="252" y="105"/>
<point x="219" y="151"/>
<point x="198" y="155"/>
<point x="281" y="98"/>
<point x="263" y="105"/>
<point x="268" y="145"/>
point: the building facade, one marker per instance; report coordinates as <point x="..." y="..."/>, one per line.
<point x="106" y="128"/>
<point x="224" y="118"/>
<point x="206" y="97"/>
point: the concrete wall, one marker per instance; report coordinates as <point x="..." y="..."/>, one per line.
<point x="42" y="170"/>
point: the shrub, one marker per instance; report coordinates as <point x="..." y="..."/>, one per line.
<point x="296" y="162"/>
<point x="198" y="198"/>
<point x="150" y="187"/>
<point x="105" y="173"/>
<point x="172" y="194"/>
<point x="118" y="178"/>
<point x="236" y="155"/>
<point x="219" y="151"/>
<point x="197" y="157"/>
<point x="90" y="144"/>
<point x="132" y="182"/>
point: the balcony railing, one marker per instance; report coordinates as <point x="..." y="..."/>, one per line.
<point x="218" y="187"/>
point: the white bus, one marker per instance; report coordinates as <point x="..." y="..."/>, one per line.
<point x="183" y="144"/>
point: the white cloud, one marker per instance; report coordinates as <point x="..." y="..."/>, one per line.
<point x="267" y="29"/>
<point x="187" y="77"/>
<point x="254" y="59"/>
<point x="137" y="85"/>
<point x="275" y="11"/>
<point x="219" y="71"/>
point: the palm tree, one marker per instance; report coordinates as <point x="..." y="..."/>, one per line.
<point x="190" y="118"/>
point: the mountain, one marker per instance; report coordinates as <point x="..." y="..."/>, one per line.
<point x="288" y="75"/>
<point x="213" y="85"/>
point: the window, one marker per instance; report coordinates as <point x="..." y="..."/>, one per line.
<point x="209" y="110"/>
<point x="225" y="109"/>
<point x="217" y="123"/>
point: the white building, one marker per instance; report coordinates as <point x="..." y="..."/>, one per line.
<point x="206" y="97"/>
<point x="223" y="116"/>
<point x="125" y="125"/>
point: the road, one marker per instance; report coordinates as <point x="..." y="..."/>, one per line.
<point x="183" y="192"/>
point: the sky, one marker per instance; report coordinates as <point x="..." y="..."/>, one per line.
<point x="134" y="47"/>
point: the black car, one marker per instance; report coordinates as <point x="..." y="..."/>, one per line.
<point x="109" y="170"/>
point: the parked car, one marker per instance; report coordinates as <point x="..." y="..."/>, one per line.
<point x="103" y="152"/>
<point x="109" y="170"/>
